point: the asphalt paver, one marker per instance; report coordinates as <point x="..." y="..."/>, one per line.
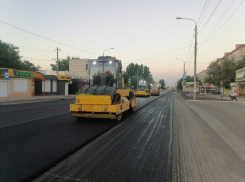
<point x="138" y="149"/>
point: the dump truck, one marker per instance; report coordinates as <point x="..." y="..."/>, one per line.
<point x="142" y="90"/>
<point x="155" y="89"/>
<point x="106" y="96"/>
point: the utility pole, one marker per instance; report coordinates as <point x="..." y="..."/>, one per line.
<point x="184" y="68"/>
<point x="195" y="62"/>
<point x="57" y="58"/>
<point x="183" y="78"/>
<point x="183" y="73"/>
<point x="195" y="54"/>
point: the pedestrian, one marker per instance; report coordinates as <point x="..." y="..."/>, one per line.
<point x="233" y="96"/>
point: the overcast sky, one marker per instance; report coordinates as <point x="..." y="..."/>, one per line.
<point x="136" y="29"/>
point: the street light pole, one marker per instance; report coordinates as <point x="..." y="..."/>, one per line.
<point x="195" y="62"/>
<point x="57" y="59"/>
<point x="184" y="65"/>
<point x="106" y="50"/>
<point x="195" y="55"/>
<point x="183" y="73"/>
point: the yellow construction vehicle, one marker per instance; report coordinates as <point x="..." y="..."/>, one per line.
<point x="142" y="90"/>
<point x="155" y="89"/>
<point x="106" y="97"/>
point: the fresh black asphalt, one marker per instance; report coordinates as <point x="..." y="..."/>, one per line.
<point x="137" y="150"/>
<point x="36" y="136"/>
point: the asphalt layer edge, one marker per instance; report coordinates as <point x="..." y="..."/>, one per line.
<point x="93" y="139"/>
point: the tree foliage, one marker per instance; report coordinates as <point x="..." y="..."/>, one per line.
<point x="10" y="58"/>
<point x="224" y="73"/>
<point x="63" y="65"/>
<point x="214" y="73"/>
<point x="162" y="83"/>
<point x="143" y="73"/>
<point x="241" y="63"/>
<point x="228" y="72"/>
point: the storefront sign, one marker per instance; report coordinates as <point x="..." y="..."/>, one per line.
<point x="63" y="77"/>
<point x="22" y="74"/>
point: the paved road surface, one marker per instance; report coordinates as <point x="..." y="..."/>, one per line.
<point x="139" y="149"/>
<point x="36" y="136"/>
<point x="209" y="141"/>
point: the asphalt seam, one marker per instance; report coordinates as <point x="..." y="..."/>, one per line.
<point x="108" y="133"/>
<point x="42" y="172"/>
<point x="33" y="120"/>
<point x="62" y="177"/>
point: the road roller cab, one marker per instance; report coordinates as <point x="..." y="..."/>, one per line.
<point x="155" y="89"/>
<point x="142" y="90"/>
<point x="106" y="96"/>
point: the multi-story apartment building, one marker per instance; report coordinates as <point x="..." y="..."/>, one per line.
<point x="238" y="53"/>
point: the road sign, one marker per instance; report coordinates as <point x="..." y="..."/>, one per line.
<point x="6" y="76"/>
<point x="184" y="76"/>
<point x="203" y="90"/>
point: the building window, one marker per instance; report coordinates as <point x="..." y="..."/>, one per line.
<point x="54" y="86"/>
<point x="46" y="85"/>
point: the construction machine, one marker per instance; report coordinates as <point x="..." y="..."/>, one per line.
<point x="106" y="96"/>
<point x="155" y="89"/>
<point x="142" y="90"/>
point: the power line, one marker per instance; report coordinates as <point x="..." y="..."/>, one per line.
<point x="46" y="38"/>
<point x="202" y="11"/>
<point x="205" y="12"/>
<point x="187" y="56"/>
<point x="167" y="65"/>
<point x="37" y="59"/>
<point x="33" y="49"/>
<point x="175" y="64"/>
<point x="159" y="54"/>
<point x="223" y="23"/>
<point x="221" y="18"/>
<point x="210" y="15"/>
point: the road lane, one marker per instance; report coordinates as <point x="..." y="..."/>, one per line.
<point x="208" y="141"/>
<point x="36" y="141"/>
<point x="139" y="149"/>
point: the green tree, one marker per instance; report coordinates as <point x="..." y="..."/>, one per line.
<point x="241" y="63"/>
<point x="228" y="72"/>
<point x="27" y="65"/>
<point x="63" y="65"/>
<point x="142" y="71"/>
<point x="213" y="73"/>
<point x="10" y="58"/>
<point x="162" y="83"/>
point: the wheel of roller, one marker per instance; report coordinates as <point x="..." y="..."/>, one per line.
<point x="119" y="117"/>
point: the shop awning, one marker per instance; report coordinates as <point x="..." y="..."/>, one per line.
<point x="38" y="76"/>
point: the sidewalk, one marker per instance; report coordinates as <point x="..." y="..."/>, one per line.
<point x="4" y="101"/>
<point x="239" y="98"/>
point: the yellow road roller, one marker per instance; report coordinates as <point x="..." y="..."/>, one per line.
<point x="106" y="96"/>
<point x="142" y="90"/>
<point x="155" y="89"/>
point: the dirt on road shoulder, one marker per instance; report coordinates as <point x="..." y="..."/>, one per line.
<point x="200" y="151"/>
